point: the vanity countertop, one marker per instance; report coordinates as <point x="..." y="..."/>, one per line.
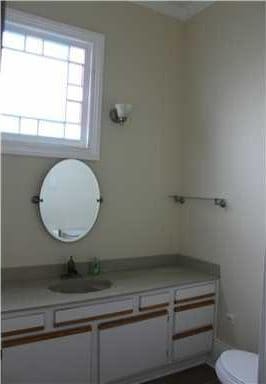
<point x="33" y="294"/>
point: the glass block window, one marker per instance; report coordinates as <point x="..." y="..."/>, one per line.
<point x="47" y="89"/>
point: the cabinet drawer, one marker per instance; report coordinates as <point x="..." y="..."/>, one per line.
<point x="187" y="347"/>
<point x="195" y="293"/>
<point x="194" y="315"/>
<point x="154" y="301"/>
<point x="23" y="324"/>
<point x="93" y="312"/>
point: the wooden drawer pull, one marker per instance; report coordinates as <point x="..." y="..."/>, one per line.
<point x="151" y="307"/>
<point x="193" y="332"/>
<point x="93" y="318"/>
<point x="195" y="298"/>
<point x="131" y="320"/>
<point x="206" y="303"/>
<point x="44" y="336"/>
<point x="22" y="331"/>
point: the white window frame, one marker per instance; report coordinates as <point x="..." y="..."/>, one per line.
<point x="49" y="147"/>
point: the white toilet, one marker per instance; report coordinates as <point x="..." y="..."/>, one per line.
<point x="237" y="367"/>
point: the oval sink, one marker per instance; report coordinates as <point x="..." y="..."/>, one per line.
<point x="80" y="286"/>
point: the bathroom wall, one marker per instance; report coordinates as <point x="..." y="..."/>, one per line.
<point x="223" y="155"/>
<point x="218" y="150"/>
<point x="139" y="164"/>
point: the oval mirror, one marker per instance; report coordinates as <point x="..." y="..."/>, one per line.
<point x="69" y="200"/>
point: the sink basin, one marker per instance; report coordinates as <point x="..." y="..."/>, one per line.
<point x="80" y="286"/>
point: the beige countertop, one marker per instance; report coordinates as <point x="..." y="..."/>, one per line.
<point x="33" y="294"/>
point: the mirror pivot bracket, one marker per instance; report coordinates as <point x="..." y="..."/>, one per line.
<point x="36" y="199"/>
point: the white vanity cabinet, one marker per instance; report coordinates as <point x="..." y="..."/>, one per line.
<point x="121" y="340"/>
<point x="132" y="345"/>
<point x="49" y="358"/>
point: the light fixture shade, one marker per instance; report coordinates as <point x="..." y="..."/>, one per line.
<point x="123" y="110"/>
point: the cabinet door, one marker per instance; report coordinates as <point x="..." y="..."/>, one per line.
<point x="194" y="345"/>
<point x="132" y="345"/>
<point x="49" y="358"/>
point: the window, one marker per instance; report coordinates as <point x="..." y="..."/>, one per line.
<point x="50" y="88"/>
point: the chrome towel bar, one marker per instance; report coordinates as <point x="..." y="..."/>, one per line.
<point x="220" y="202"/>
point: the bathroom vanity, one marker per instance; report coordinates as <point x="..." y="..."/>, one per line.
<point x="148" y="323"/>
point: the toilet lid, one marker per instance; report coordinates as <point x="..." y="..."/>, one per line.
<point x="241" y="366"/>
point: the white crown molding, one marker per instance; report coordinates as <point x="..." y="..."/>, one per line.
<point x="180" y="10"/>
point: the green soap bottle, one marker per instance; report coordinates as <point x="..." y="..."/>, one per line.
<point x="95" y="267"/>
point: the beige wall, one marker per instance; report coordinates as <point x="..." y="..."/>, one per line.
<point x="139" y="162"/>
<point x="223" y="155"/>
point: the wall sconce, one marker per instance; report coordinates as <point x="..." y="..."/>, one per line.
<point x="120" y="113"/>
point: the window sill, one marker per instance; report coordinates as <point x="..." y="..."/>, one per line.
<point x="48" y="150"/>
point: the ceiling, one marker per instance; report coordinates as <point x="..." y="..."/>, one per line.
<point x="181" y="10"/>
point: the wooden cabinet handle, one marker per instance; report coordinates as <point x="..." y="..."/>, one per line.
<point x="131" y="320"/>
<point x="193" y="332"/>
<point x="186" y="307"/>
<point x="16" y="332"/>
<point x="44" y="336"/>
<point x="207" y="296"/>
<point x="153" y="307"/>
